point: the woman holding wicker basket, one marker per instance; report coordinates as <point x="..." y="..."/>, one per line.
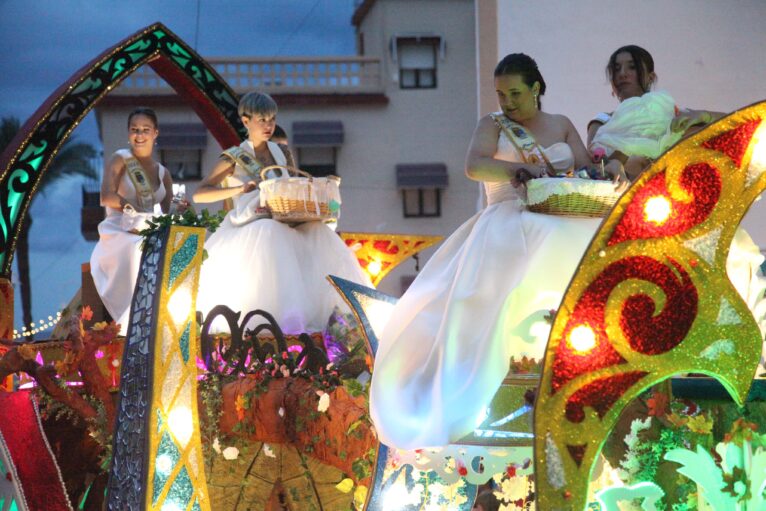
<point x="257" y="262"/>
<point x="484" y="296"/>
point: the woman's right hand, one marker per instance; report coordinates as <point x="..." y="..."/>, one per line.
<point x="520" y="178"/>
<point x="249" y="186"/>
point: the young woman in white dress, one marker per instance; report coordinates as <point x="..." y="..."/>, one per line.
<point x="482" y="298"/>
<point x="259" y="263"/>
<point x="135" y="187"/>
<point x="643" y="126"/>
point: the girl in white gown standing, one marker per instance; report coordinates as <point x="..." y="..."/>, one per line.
<point x="255" y="262"/>
<point x="481" y="298"/>
<point x="135" y="186"/>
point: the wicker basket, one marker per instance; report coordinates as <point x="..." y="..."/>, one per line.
<point x="573" y="197"/>
<point x="300" y="197"/>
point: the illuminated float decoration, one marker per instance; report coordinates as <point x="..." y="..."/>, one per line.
<point x="378" y="254"/>
<point x="650" y="300"/>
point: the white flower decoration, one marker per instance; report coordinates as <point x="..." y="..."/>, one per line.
<point x="268" y="451"/>
<point x="324" y="403"/>
<point x="217" y="445"/>
<point x="230" y="453"/>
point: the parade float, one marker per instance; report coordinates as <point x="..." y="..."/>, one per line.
<point x="175" y="417"/>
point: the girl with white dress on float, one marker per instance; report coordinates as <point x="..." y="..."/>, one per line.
<point x="134" y="188"/>
<point x="647" y="123"/>
<point x="255" y="262"/>
<point x="483" y="296"/>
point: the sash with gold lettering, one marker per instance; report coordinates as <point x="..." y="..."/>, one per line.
<point x="244" y="160"/>
<point x="523" y="141"/>
<point x="144" y="192"/>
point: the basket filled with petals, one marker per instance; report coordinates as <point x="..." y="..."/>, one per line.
<point x="296" y="196"/>
<point x="571" y="196"/>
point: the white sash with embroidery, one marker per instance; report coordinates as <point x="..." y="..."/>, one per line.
<point x="523" y="141"/>
<point x="246" y="205"/>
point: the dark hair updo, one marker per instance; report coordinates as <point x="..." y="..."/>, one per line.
<point x="148" y="112"/>
<point x="524" y="66"/>
<point x="641" y="58"/>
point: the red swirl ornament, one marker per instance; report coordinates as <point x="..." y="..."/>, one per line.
<point x="701" y="180"/>
<point x="647" y="333"/>
<point x="733" y="143"/>
<point x="600" y="395"/>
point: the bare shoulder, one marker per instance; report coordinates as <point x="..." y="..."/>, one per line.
<point x="560" y="120"/>
<point x="116" y="161"/>
<point x="486" y="123"/>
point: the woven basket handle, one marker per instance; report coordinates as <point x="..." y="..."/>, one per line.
<point x="288" y="168"/>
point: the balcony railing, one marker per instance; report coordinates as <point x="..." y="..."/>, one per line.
<point x="283" y="75"/>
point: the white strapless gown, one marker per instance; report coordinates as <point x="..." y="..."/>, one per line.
<point x="480" y="300"/>
<point x="116" y="259"/>
<point x="268" y="265"/>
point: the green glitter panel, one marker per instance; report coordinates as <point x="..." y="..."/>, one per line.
<point x="181" y="259"/>
<point x="184" y="342"/>
<point x="182" y="490"/>
<point x="168" y="448"/>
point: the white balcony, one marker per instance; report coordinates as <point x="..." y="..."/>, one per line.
<point x="285" y="75"/>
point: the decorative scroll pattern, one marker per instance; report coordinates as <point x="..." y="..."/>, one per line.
<point x="176" y="474"/>
<point x="126" y="479"/>
<point x="651" y="299"/>
<point x="378" y="254"/>
<point x="26" y="158"/>
<point x="246" y="351"/>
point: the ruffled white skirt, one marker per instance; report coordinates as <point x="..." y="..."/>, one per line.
<point x="271" y="266"/>
<point x="114" y="266"/>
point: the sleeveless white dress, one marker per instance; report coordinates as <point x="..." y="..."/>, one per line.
<point x="259" y="263"/>
<point x="479" y="300"/>
<point x="116" y="258"/>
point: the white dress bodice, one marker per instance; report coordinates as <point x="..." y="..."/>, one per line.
<point x="126" y="189"/>
<point x="559" y="155"/>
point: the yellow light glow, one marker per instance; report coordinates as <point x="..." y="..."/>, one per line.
<point x="374" y="268"/>
<point x="179" y="305"/>
<point x="657" y="209"/>
<point x="181" y="424"/>
<point x="582" y="339"/>
<point x="758" y="158"/>
<point x="164" y="464"/>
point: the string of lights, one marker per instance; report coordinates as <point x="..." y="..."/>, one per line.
<point x="37" y="327"/>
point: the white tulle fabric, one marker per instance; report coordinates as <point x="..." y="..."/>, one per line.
<point x="640" y="126"/>
<point x="480" y="299"/>
<point x="264" y="264"/>
<point x="116" y="258"/>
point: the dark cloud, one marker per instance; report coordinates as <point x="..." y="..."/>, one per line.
<point x="44" y="42"/>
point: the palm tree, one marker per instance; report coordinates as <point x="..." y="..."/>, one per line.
<point x="74" y="159"/>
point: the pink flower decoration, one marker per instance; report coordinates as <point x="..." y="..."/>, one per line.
<point x="598" y="154"/>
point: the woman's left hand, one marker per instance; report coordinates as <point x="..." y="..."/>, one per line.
<point x="683" y="121"/>
<point x="180" y="206"/>
<point x="615" y="169"/>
